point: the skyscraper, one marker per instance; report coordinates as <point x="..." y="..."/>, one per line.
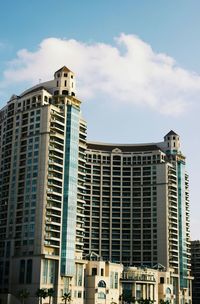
<point x="137" y="206"/>
<point x="195" y="251"/>
<point x="125" y="203"/>
<point x="42" y="148"/>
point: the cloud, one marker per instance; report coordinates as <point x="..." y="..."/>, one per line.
<point x="129" y="72"/>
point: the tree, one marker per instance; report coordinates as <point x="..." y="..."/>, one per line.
<point x="145" y="301"/>
<point x="67" y="297"/>
<point x="164" y="302"/>
<point x="50" y="294"/>
<point x="23" y="294"/>
<point x="126" y="296"/>
<point x="41" y="294"/>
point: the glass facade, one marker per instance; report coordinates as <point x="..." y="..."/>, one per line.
<point x="70" y="191"/>
<point x="182" y="225"/>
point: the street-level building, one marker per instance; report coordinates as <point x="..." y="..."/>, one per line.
<point x="102" y="281"/>
<point x="154" y="284"/>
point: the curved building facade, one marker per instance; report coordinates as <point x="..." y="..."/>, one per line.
<point x="137" y="205"/>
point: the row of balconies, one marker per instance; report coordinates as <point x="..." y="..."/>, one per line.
<point x="54" y="190"/>
<point x="53" y="182"/>
<point x="53" y="205"/>
<point x="54" y="153"/>
<point x="52" y="243"/>
<point x="54" y="220"/>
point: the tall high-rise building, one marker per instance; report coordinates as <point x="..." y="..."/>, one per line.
<point x="195" y="259"/>
<point x="137" y="207"/>
<point x="128" y="204"/>
<point x="42" y="151"/>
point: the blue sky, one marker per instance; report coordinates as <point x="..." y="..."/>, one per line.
<point x="110" y="45"/>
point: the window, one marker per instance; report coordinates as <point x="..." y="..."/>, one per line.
<point x="79" y="275"/>
<point x="29" y="272"/>
<point x="79" y="294"/>
<point x="22" y="272"/>
<point x="65" y="92"/>
<point x="101" y="295"/>
<point x="48" y="271"/>
<point x="94" y="271"/>
<point x="114" y="280"/>
<point x="162" y="280"/>
<point x="102" y="283"/>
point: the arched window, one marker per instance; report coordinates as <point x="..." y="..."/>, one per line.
<point x="65" y="92"/>
<point x="102" y="284"/>
<point x="168" y="290"/>
<point x="101" y="295"/>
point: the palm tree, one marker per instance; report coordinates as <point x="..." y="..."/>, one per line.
<point x="50" y="294"/>
<point x="23" y="294"/>
<point x="145" y="301"/>
<point x="41" y="294"/>
<point x="67" y="297"/>
<point x="164" y="302"/>
<point x="127" y="297"/>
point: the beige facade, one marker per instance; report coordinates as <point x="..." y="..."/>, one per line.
<point x="102" y="282"/>
<point x="107" y="282"/>
<point x="129" y="204"/>
<point x="137" y="207"/>
<point x="42" y="154"/>
<point x="152" y="284"/>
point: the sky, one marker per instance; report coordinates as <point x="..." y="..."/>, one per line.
<point x="136" y="63"/>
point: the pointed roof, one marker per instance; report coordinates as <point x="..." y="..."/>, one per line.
<point x="159" y="266"/>
<point x="171" y="133"/>
<point x="63" y="69"/>
<point x="92" y="256"/>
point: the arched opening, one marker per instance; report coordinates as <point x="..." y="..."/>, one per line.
<point x="65" y="92"/>
<point x="102" y="284"/>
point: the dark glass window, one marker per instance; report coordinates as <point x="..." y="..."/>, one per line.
<point x="94" y="271"/>
<point x="29" y="272"/>
<point x="102" y="284"/>
<point x="162" y="280"/>
<point x="22" y="272"/>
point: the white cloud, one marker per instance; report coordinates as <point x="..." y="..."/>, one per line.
<point x="129" y="72"/>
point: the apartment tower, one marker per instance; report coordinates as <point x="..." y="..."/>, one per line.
<point x="42" y="151"/>
<point x="137" y="207"/>
<point x="195" y="259"/>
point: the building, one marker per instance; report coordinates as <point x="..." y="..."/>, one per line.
<point x="128" y="204"/>
<point x="42" y="151"/>
<point x="137" y="207"/>
<point x="147" y="283"/>
<point x="102" y="281"/>
<point x="107" y="282"/>
<point x="195" y="254"/>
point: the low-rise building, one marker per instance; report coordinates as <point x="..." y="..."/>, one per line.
<point x="102" y="281"/>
